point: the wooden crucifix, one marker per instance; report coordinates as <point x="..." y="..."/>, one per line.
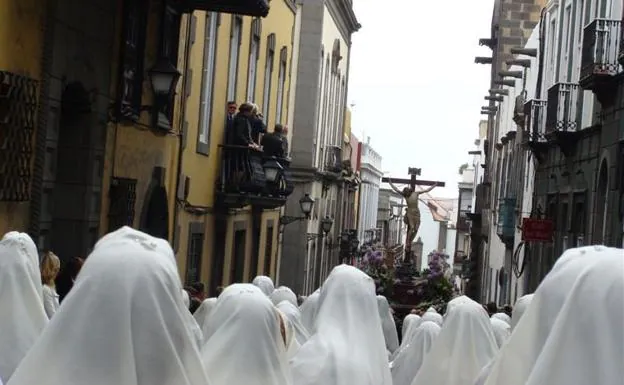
<point x="412" y="213"/>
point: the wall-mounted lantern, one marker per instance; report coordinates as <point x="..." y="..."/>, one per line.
<point x="164" y="78"/>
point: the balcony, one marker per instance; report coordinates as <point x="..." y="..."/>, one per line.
<point x="463" y="224"/>
<point x="256" y="8"/>
<point x="599" y="60"/>
<point x="248" y="178"/>
<point x="535" y="128"/>
<point x="562" y="116"/>
<point x="332" y="162"/>
<point x="506" y="225"/>
<point x="518" y="116"/>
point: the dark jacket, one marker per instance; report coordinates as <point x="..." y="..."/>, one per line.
<point x="273" y="145"/>
<point x="242" y="131"/>
<point x="257" y="127"/>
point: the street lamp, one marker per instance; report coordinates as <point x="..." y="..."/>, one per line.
<point x="306" y="204"/>
<point x="326" y="224"/>
<point x="272" y="170"/>
<point x="163" y="79"/>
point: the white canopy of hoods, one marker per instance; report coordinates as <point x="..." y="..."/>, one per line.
<point x="265" y="284"/>
<point x="409" y="361"/>
<point x="23" y="317"/>
<point x="283" y="293"/>
<point x="348" y="346"/>
<point x="465" y="344"/>
<point x="516" y="360"/>
<point x="387" y="323"/>
<point x="432" y="317"/>
<point x="503" y="317"/>
<point x="123" y="323"/>
<point x="243" y="342"/>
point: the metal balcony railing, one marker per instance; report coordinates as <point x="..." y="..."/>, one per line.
<point x="332" y="159"/>
<point x="600" y="50"/>
<point x="242" y="172"/>
<point x="535" y="119"/>
<point x="563" y="108"/>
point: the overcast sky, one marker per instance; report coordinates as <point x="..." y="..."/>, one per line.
<point x="414" y="86"/>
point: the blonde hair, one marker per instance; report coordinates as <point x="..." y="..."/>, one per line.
<point x="50" y="267"/>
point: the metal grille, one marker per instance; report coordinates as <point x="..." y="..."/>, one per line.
<point x="122" y="200"/>
<point x="194" y="256"/>
<point x="562" y="107"/>
<point x="18" y="108"/>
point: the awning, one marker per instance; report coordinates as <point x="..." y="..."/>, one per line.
<point x="257" y="8"/>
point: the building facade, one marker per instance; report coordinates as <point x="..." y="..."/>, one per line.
<point x="113" y="68"/>
<point x="226" y="234"/>
<point x="557" y="146"/>
<point x="371" y="174"/>
<point x="322" y="72"/>
<point x="390" y="220"/>
<point x="462" y="222"/>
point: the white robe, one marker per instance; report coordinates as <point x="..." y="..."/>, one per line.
<point x="409" y="361"/>
<point x="503" y="317"/>
<point x="519" y="308"/>
<point x="293" y="316"/>
<point x="432" y="317"/>
<point x="265" y="284"/>
<point x="388" y="325"/>
<point x="465" y="344"/>
<point x="243" y="341"/>
<point x="309" y="309"/>
<point x="283" y="293"/>
<point x="348" y="346"/>
<point x="203" y="312"/>
<point x="122" y="323"/>
<point x="519" y="355"/>
<point x="22" y="314"/>
<point x="410" y="321"/>
<point x="501" y="330"/>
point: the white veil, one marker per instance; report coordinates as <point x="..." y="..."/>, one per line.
<point x="23" y="316"/>
<point x="309" y="309"/>
<point x="283" y="293"/>
<point x="244" y="344"/>
<point x="121" y="324"/>
<point x="293" y="316"/>
<point x="503" y="317"/>
<point x="465" y="345"/>
<point x="519" y="308"/>
<point x="203" y="311"/>
<point x="432" y="317"/>
<point x="265" y="284"/>
<point x="593" y="313"/>
<point x="517" y="357"/>
<point x="348" y="345"/>
<point x="411" y="321"/>
<point x="387" y="324"/>
<point x="501" y="330"/>
<point x="409" y="361"/>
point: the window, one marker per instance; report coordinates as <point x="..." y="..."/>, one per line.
<point x="122" y="195"/>
<point x="254" y="54"/>
<point x="238" y="260"/>
<point x="580" y="216"/>
<point x="218" y="256"/>
<point x="169" y="46"/>
<point x="268" y="251"/>
<point x="194" y="252"/>
<point x="208" y="75"/>
<point x="235" y="41"/>
<point x="132" y="62"/>
<point x="268" y="77"/>
<point x="281" y="84"/>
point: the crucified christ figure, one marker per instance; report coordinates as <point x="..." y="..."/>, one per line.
<point x="412" y="213"/>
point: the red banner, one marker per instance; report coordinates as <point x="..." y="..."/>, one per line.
<point x="537" y="230"/>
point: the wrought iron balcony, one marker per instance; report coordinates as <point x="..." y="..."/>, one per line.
<point x="257" y="8"/>
<point x="535" y="127"/>
<point x="563" y="108"/>
<point x="248" y="178"/>
<point x="600" y="50"/>
<point x="519" y="108"/>
<point x="463" y="224"/>
<point x="332" y="159"/>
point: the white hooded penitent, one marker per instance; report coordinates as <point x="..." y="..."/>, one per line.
<point x="22" y="315"/>
<point x="387" y="323"/>
<point x="121" y="324"/>
<point x="243" y="342"/>
<point x="265" y="284"/>
<point x="283" y="293"/>
<point x="409" y="361"/>
<point x="348" y="346"/>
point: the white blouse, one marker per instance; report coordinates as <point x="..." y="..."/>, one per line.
<point x="50" y="300"/>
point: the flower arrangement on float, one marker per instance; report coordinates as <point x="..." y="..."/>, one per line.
<point x="372" y="261"/>
<point x="437" y="289"/>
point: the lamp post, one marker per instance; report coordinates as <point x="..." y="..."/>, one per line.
<point x="272" y="170"/>
<point x="326" y="226"/>
<point x="163" y="77"/>
<point x="306" y="204"/>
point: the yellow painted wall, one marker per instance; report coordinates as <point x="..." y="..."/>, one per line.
<point x="21" y="41"/>
<point x="203" y="169"/>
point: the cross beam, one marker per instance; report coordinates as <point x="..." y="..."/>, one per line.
<point x="413" y="182"/>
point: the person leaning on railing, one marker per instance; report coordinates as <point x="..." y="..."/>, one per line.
<point x="242" y="127"/>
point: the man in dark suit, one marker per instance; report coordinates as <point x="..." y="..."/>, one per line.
<point x="272" y="142"/>
<point x="229" y="122"/>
